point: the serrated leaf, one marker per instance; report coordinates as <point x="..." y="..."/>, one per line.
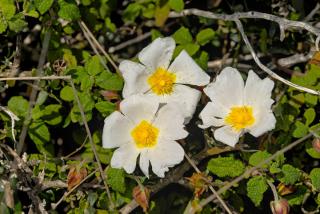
<point x="43" y="5"/>
<point x="68" y="11"/>
<point x="205" y="36"/>
<point x="182" y="36"/>
<point x="116" y="179"/>
<point x="52" y="115"/>
<point x="7" y="9"/>
<point x="300" y="129"/>
<point x="18" y="105"/>
<point x="176" y="5"/>
<point x="256" y="187"/>
<point x="315" y="178"/>
<point x="40" y="135"/>
<point x="132" y="12"/>
<point x="87" y="105"/>
<point x="290" y="174"/>
<point x="93" y="66"/>
<point x="258" y="157"/>
<point x="225" y="167"/>
<point x="67" y="93"/>
<point x="109" y="81"/>
<point x="310" y="115"/>
<point x="17" y="23"/>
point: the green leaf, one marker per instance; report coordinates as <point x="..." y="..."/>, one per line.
<point x="312" y="152"/>
<point x="132" y="12"/>
<point x="40" y="135"/>
<point x="3" y="24"/>
<point x="52" y="115"/>
<point x="300" y="129"/>
<point x="7" y="9"/>
<point x="297" y="197"/>
<point x="311" y="99"/>
<point x="17" y="23"/>
<point x="116" y="179"/>
<point x="290" y="174"/>
<point x="205" y="36"/>
<point x="67" y="93"/>
<point x="202" y="60"/>
<point x="68" y="11"/>
<point x="109" y="81"/>
<point x="315" y="178"/>
<point x="310" y="115"/>
<point x="87" y="105"/>
<point x="190" y="48"/>
<point x="43" y="5"/>
<point x="256" y="187"/>
<point x="258" y="157"/>
<point x="176" y="5"/>
<point x="105" y="107"/>
<point x="93" y="66"/>
<point x="18" y="105"/>
<point x="182" y="36"/>
<point x="161" y="14"/>
<point x="225" y="166"/>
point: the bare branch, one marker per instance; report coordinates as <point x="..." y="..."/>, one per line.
<point x="129" y="42"/>
<point x="37" y="78"/>
<point x="284" y="24"/>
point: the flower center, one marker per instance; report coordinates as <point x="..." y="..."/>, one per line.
<point x="240" y="117"/>
<point x="162" y="81"/>
<point x="145" y="135"/>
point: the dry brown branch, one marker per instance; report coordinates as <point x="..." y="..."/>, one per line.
<point x="93" y="147"/>
<point x="247" y="173"/>
<point x="55" y="205"/>
<point x="34" y="91"/>
<point x="284" y="24"/>
<point x="129" y="42"/>
<point x="175" y="175"/>
<point x="36" y="78"/>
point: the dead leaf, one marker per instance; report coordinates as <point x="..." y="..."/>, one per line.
<point x="75" y="176"/>
<point x="315" y="59"/>
<point x="200" y="182"/>
<point x="142" y="195"/>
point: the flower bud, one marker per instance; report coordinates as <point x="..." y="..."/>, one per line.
<point x="316" y="144"/>
<point x="280" y="207"/>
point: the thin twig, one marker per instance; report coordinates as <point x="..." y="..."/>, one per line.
<point x="194" y="166"/>
<point x="17" y="57"/>
<point x="37" y="78"/>
<point x="75" y="151"/>
<point x="93" y="147"/>
<point x="13" y="118"/>
<point x="55" y="205"/>
<point x="129" y="42"/>
<point x="34" y="92"/>
<point x="274" y="190"/>
<point x="283" y="23"/>
<point x="248" y="172"/>
<point x="82" y="24"/>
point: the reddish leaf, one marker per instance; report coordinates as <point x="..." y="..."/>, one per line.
<point x="75" y="176"/>
<point x="141" y="195"/>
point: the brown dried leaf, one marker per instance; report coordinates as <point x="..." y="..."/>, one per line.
<point x="285" y="189"/>
<point x="75" y="176"/>
<point x="200" y="182"/>
<point x="142" y="195"/>
<point x="315" y="59"/>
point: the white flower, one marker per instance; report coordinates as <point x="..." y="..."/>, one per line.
<point x="155" y="78"/>
<point x="237" y="108"/>
<point x="140" y="128"/>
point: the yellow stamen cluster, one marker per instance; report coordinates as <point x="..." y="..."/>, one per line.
<point x="162" y="81"/>
<point x="145" y="135"/>
<point x="240" y="117"/>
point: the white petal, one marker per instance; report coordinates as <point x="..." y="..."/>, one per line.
<point x="257" y="92"/>
<point x="227" y="88"/>
<point x="170" y="122"/>
<point x="187" y="71"/>
<point x="166" y="154"/>
<point x="213" y="114"/>
<point x="125" y="157"/>
<point x="116" y="130"/>
<point x="266" y="122"/>
<point x="144" y="162"/>
<point x="135" y="78"/>
<point x="186" y="99"/>
<point x="139" y="107"/>
<point x="158" y="53"/>
<point x="227" y="136"/>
